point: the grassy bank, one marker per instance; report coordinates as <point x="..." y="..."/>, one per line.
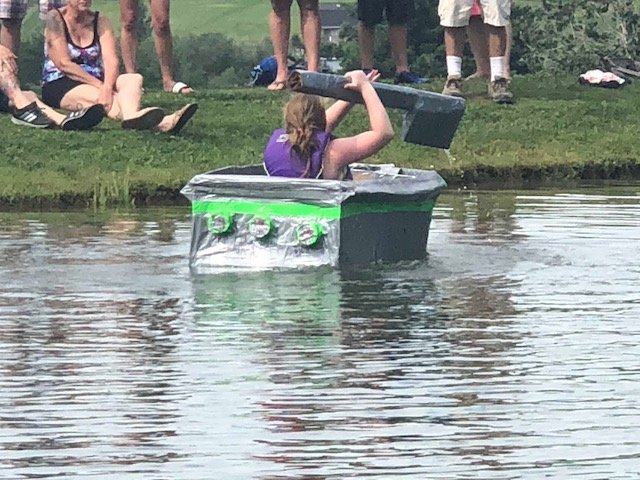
<point x="558" y="130"/>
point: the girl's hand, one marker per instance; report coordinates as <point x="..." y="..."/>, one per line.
<point x="356" y="79"/>
<point x="373" y="75"/>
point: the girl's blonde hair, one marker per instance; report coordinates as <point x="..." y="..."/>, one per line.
<point x="303" y="116"/>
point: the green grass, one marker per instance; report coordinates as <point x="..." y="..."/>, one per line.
<point x="557" y="130"/>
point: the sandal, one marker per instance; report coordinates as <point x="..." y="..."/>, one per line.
<point x="180" y="87"/>
<point x="147" y="120"/>
<point x="277" y="85"/>
<point x="183" y="116"/>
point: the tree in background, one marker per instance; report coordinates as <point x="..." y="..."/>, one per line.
<point x="572" y="36"/>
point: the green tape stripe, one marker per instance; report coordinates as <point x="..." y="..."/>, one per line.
<point x="286" y="209"/>
<point x="275" y="209"/>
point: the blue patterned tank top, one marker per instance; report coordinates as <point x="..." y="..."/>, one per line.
<point x="89" y="58"/>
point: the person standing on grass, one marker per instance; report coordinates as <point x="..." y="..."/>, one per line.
<point x="398" y="13"/>
<point x="81" y="68"/>
<point x="162" y="39"/>
<point x="454" y="16"/>
<point x="280" y="29"/>
<point x="479" y="43"/>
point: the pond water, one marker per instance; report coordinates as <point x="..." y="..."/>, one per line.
<point x="512" y="352"/>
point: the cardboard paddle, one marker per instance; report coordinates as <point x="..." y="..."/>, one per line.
<point x="431" y="119"/>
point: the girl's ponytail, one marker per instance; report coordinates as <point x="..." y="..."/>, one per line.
<point x="303" y="116"/>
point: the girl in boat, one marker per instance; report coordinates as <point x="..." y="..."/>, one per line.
<point x="306" y="147"/>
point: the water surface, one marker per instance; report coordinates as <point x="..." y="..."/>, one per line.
<point x="512" y="352"/>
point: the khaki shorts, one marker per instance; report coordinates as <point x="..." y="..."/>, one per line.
<point x="456" y="13"/>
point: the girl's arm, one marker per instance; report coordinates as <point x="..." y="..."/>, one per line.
<point x="59" y="53"/>
<point x="343" y="151"/>
<point x="336" y="112"/>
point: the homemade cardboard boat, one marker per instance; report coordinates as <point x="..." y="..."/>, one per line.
<point x="243" y="218"/>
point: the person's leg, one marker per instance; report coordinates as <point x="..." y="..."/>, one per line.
<point x="126" y="103"/>
<point x="398" y="41"/>
<point x="479" y="43"/>
<point x="454" y="46"/>
<point x="10" y="86"/>
<point x="496" y="16"/>
<point x="507" y="52"/>
<point x="369" y="15"/>
<point x="310" y="28"/>
<point x="366" y="40"/>
<point x="10" y="34"/>
<point x="128" y="38"/>
<point x="160" y="20"/>
<point x="54" y="116"/>
<point x="454" y="17"/>
<point x="399" y="12"/>
<point x="280" y="28"/>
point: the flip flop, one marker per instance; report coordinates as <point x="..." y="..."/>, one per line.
<point x="178" y="87"/>
<point x="146" y="121"/>
<point x="84" y="119"/>
<point x="277" y="85"/>
<point x="184" y="115"/>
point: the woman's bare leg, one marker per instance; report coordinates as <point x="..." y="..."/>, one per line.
<point x="310" y="28"/>
<point x="280" y="28"/>
<point x="126" y="102"/>
<point x="84" y="96"/>
<point x="128" y="39"/>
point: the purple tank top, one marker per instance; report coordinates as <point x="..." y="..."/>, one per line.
<point x="280" y="160"/>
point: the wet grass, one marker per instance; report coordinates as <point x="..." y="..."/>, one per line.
<point x="557" y="131"/>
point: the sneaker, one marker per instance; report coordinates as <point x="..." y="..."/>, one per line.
<point x="409" y="77"/>
<point x="31" y="116"/>
<point x="453" y="87"/>
<point x="84" y="119"/>
<point x="499" y="91"/>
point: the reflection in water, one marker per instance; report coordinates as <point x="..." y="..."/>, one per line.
<point x="511" y="353"/>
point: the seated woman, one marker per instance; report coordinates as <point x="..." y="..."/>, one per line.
<point x="306" y="148"/>
<point x="27" y="110"/>
<point x="81" y="69"/>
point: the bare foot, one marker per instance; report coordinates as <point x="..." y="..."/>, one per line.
<point x="277" y="85"/>
<point x="178" y="87"/>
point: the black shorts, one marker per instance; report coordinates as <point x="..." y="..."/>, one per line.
<point x="53" y="92"/>
<point x="397" y="11"/>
